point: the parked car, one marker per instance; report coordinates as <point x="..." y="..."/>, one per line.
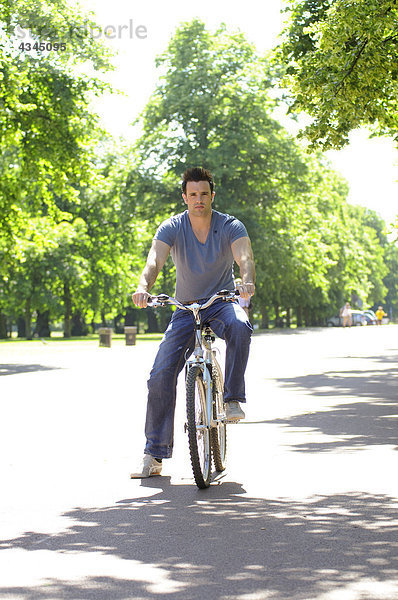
<point x="358" y="318"/>
<point x="370" y="317"/>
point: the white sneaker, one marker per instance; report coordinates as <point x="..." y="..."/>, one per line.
<point x="233" y="411"/>
<point x="149" y="468"/>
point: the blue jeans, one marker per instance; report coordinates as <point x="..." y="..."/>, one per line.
<point x="229" y="321"/>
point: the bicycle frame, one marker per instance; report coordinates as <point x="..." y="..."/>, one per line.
<point x="203" y="352"/>
<point x="203" y="358"/>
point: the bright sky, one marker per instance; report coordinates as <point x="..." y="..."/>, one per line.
<point x="141" y="31"/>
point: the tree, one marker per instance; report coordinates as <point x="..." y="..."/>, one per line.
<point x="341" y="67"/>
<point x="212" y="107"/>
<point x="47" y="130"/>
<point x="118" y="241"/>
<point x="49" y="266"/>
<point x="85" y="266"/>
<point x="391" y="280"/>
<point x="46" y="126"/>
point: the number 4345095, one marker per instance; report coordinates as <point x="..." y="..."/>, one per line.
<point x="42" y="46"/>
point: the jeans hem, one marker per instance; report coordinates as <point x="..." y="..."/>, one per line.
<point x="158" y="454"/>
<point x="242" y="400"/>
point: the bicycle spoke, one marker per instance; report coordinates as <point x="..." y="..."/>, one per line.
<point x="219" y="433"/>
<point x="198" y="433"/>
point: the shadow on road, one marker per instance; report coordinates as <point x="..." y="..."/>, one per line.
<point x="222" y="544"/>
<point x="17" y="369"/>
<point x="289" y="331"/>
<point x="370" y="419"/>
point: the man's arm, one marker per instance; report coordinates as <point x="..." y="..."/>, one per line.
<point x="156" y="258"/>
<point x="243" y="256"/>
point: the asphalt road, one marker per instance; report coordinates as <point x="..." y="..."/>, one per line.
<point x="307" y="509"/>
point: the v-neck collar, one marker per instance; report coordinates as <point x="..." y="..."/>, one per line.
<point x="208" y="233"/>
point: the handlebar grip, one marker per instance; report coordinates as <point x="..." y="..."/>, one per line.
<point x="162" y="298"/>
<point x="228" y="292"/>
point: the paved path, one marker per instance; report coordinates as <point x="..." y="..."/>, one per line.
<point x="307" y="509"/>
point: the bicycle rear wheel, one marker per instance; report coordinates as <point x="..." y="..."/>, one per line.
<point x="198" y="433"/>
<point x="219" y="433"/>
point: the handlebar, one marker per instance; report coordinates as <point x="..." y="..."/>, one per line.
<point x="163" y="299"/>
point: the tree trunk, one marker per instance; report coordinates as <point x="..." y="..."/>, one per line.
<point x="3" y="326"/>
<point x="10" y="323"/>
<point x="67" y="311"/>
<point x="28" y="320"/>
<point x="288" y="317"/>
<point x="118" y="326"/>
<point x="130" y="318"/>
<point x="278" y="320"/>
<point x="21" y="327"/>
<point x="299" y="312"/>
<point x="42" y="328"/>
<point x="78" y="325"/>
<point x="307" y="318"/>
<point x="264" y="319"/>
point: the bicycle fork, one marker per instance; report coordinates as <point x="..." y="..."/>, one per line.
<point x="205" y="365"/>
<point x="208" y="385"/>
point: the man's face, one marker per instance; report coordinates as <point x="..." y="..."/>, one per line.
<point x="198" y="198"/>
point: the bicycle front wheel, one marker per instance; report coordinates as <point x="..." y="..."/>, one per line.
<point x="198" y="432"/>
<point x="219" y="433"/>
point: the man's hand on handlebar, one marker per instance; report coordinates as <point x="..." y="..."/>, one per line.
<point x="140" y="298"/>
<point x="246" y="290"/>
<point x="143" y="299"/>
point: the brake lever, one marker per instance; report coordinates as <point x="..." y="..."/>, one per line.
<point x="231" y="295"/>
<point x="161" y="300"/>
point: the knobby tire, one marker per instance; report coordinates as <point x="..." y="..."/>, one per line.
<point x="199" y="440"/>
<point x="219" y="433"/>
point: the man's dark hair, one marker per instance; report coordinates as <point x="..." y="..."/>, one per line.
<point x="197" y="174"/>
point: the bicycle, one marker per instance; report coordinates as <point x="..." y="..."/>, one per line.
<point x="206" y="419"/>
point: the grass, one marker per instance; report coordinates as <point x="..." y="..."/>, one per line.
<point x="58" y="337"/>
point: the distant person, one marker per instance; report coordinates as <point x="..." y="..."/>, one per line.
<point x="380" y="314"/>
<point x="244" y="302"/>
<point x="346" y="313"/>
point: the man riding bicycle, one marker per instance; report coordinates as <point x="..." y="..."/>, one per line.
<point x="204" y="244"/>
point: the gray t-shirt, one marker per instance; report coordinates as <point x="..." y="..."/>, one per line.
<point x="202" y="269"/>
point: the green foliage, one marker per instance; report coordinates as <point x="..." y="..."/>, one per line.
<point x="213" y="107"/>
<point x="118" y="241"/>
<point x="341" y="60"/>
<point x="76" y="224"/>
<point x="89" y="262"/>
<point x="208" y="109"/>
<point x="48" y="140"/>
<point x="47" y="131"/>
<point x="391" y="279"/>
